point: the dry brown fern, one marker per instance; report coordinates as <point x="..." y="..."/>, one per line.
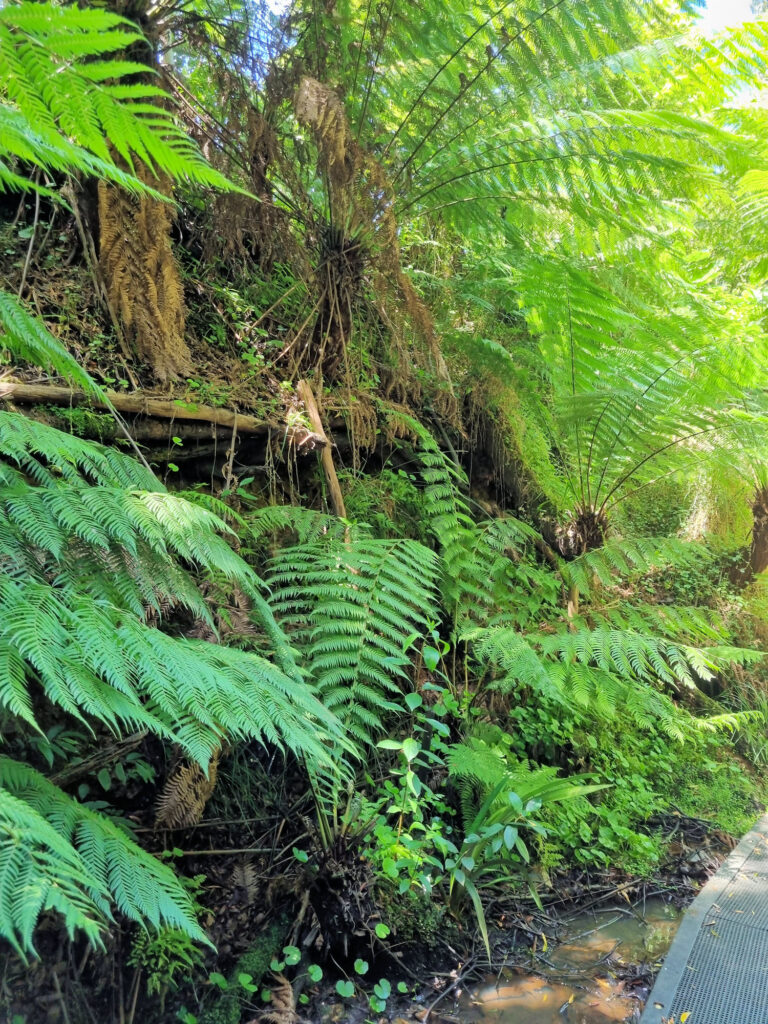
<point x="283" y="1008"/>
<point x="186" y="792"/>
<point x="245" y="877"/>
<point x="141" y="275"/>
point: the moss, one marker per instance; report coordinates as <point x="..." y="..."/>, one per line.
<point x="227" y="1008"/>
<point x="720" y="789"/>
<point x="413" y="916"/>
<point x="95" y="426"/>
<point x="257" y="959"/>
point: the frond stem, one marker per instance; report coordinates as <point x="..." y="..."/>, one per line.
<point x="441" y="117"/>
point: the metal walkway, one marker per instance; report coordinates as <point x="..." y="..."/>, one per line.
<point x="716" y="970"/>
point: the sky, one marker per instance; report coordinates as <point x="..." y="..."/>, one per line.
<point x="725" y="14"/>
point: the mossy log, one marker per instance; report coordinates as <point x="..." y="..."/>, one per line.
<point x="138" y="404"/>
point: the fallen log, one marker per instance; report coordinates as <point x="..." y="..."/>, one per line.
<point x="15" y="391"/>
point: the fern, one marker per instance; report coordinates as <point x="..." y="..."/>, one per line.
<point x="28" y="339"/>
<point x="602" y="668"/>
<point x="63" y="110"/>
<point x="493" y="577"/>
<point x="58" y="855"/>
<point x="91" y="555"/>
<point x="625" y="557"/>
<point x="305" y="524"/>
<point x="92" y="545"/>
<point x="352" y="607"/>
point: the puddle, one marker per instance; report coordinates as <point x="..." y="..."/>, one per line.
<point x="580" y="985"/>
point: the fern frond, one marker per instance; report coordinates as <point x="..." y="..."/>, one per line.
<point x="63" y="111"/>
<point x="353" y="605"/>
<point x="26" y="338"/>
<point x="625" y="557"/>
<point x="59" y="855"/>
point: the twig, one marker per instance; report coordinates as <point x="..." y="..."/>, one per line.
<point x="100" y="759"/>
<point x="221" y="853"/>
<point x="62" y="1001"/>
<point x="228" y="473"/>
<point x="583" y="935"/>
<point x="305" y="393"/>
<point x="31" y="245"/>
<point x="457" y="981"/>
<point x="633" y="884"/>
<point x="135" y="997"/>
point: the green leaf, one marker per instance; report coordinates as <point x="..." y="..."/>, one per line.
<point x="315" y="972"/>
<point x="361" y="966"/>
<point x="382" y="930"/>
<point x="411" y="749"/>
<point x="431" y="658"/>
<point x="390" y="745"/>
<point x="345" y="989"/>
<point x="383" y="989"/>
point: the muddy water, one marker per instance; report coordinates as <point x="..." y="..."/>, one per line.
<point x="577" y="983"/>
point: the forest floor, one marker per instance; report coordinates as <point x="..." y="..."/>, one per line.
<point x="562" y="953"/>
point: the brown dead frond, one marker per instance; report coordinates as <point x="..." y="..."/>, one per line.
<point x="186" y="792"/>
<point x="283" y="1008"/>
<point x="245" y="877"/>
<point x="141" y="275"/>
<point x="319" y="108"/>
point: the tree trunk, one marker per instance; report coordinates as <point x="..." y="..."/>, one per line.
<point x="758" y="552"/>
<point x="138" y="265"/>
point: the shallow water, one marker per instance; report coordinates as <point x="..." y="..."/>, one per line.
<point x="577" y="984"/>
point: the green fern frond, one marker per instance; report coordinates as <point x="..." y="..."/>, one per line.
<point x="306" y="524"/>
<point x="26" y="338"/>
<point x="61" y="856"/>
<point x="625" y="557"/>
<point x="352" y="605"/>
<point x="62" y="111"/>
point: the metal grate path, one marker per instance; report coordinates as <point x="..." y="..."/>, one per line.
<point x="717" y="967"/>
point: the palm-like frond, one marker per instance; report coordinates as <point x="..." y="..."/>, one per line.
<point x="62" y="109"/>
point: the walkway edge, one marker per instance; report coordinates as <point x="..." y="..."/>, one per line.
<point x="668" y="980"/>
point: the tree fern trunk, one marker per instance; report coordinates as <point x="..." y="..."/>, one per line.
<point x="140" y="270"/>
<point x="758" y="553"/>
